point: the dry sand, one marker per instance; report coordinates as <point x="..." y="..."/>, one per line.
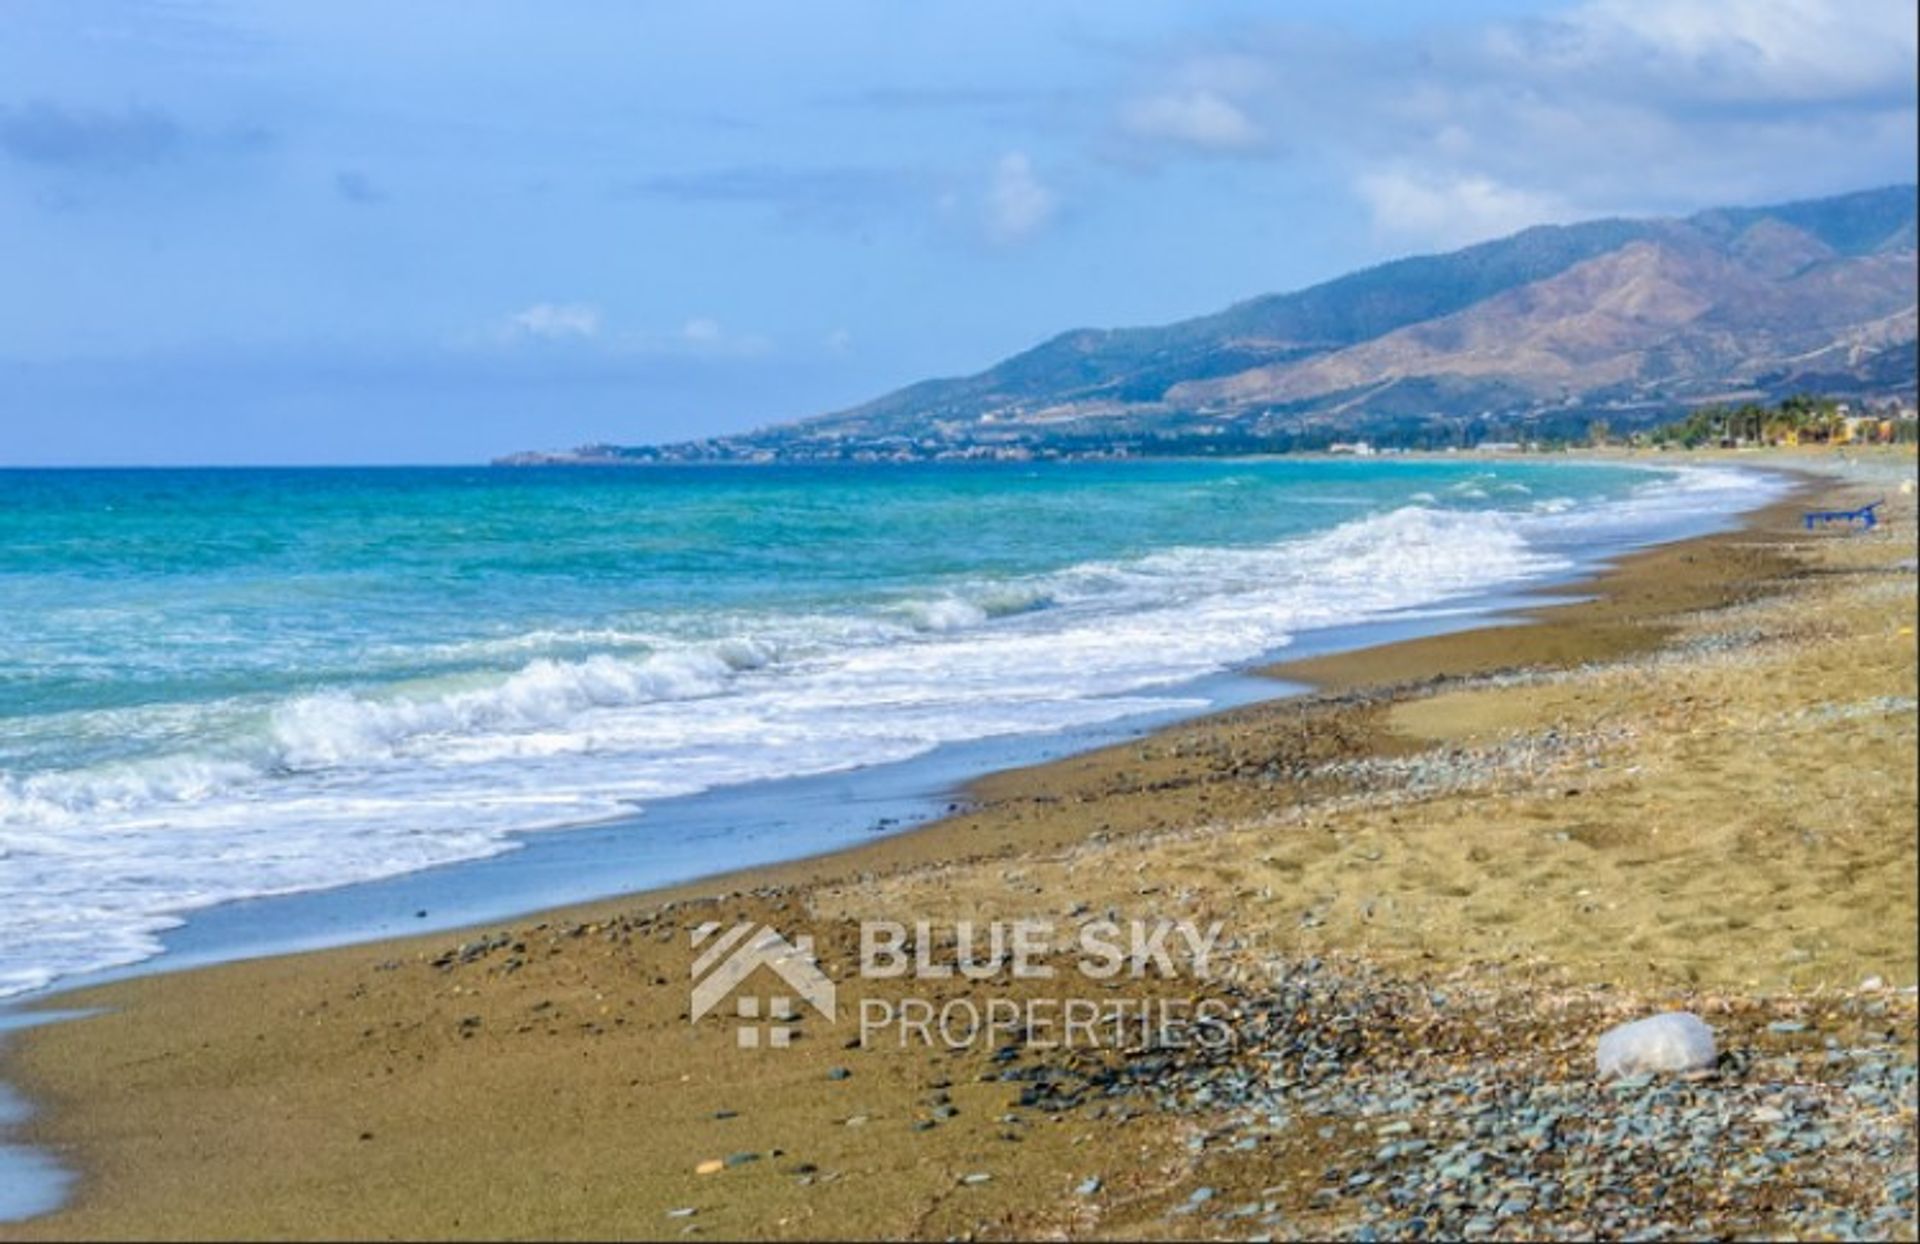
<point x="1696" y="788"/>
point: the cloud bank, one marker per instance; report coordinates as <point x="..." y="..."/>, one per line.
<point x="1608" y="106"/>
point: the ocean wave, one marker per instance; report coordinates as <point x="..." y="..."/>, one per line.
<point x="348" y="783"/>
<point x="332" y="728"/>
<point x="969" y="607"/>
<point x="1204" y="595"/>
<point x="947" y="613"/>
<point x="67" y="797"/>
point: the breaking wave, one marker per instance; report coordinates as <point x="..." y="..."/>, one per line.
<point x="340" y="784"/>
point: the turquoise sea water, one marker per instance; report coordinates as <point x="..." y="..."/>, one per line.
<point x="220" y="684"/>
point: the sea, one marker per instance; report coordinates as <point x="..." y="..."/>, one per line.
<point x="220" y="685"/>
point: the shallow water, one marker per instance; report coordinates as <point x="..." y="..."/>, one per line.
<point x="220" y="685"/>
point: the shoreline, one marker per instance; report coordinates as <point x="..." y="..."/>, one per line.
<point x="1126" y="793"/>
<point x="844" y="805"/>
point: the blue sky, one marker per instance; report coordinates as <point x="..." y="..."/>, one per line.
<point x="436" y="230"/>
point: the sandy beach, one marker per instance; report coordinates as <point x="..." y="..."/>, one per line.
<point x="1440" y="876"/>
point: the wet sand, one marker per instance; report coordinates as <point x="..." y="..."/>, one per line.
<point x="1696" y="788"/>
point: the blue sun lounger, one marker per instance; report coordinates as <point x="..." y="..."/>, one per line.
<point x="1864" y="515"/>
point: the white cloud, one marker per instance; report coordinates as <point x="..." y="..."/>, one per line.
<point x="1018" y="203"/>
<point x="556" y="321"/>
<point x="580" y="325"/>
<point x="700" y="336"/>
<point x="1462" y="131"/>
<point x="1783" y="49"/>
<point x="1197" y="118"/>
<point x="701" y="331"/>
<point x="1452" y="211"/>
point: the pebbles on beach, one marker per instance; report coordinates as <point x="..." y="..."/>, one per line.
<point x="1406" y="1112"/>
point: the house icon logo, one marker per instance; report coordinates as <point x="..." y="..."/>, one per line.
<point x="731" y="956"/>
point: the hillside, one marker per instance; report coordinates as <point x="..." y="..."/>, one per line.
<point x="1535" y="333"/>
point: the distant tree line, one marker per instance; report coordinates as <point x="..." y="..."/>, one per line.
<point x="1802" y="419"/>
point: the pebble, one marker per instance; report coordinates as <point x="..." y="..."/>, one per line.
<point x="976" y="1178"/>
<point x="1089" y="1186"/>
<point x="1674" y="1042"/>
<point x="1494" y="1128"/>
<point x="712" y="1166"/>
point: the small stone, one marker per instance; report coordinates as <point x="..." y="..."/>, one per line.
<point x="712" y="1166"/>
<point x="1674" y="1041"/>
<point x="976" y="1178"/>
<point x="1089" y="1186"/>
<point x="687" y="1212"/>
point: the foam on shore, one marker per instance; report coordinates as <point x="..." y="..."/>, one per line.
<point x="348" y="784"/>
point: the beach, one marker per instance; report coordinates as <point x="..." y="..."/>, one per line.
<point x="1440" y="875"/>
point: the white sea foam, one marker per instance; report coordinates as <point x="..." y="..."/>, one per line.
<point x="334" y="728"/>
<point x="350" y="784"/>
<point x="948" y="613"/>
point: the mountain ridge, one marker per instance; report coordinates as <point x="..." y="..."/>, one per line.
<point x="1628" y="319"/>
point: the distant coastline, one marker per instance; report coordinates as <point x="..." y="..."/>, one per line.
<point x="1540" y="338"/>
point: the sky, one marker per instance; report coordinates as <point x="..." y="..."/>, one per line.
<point x="422" y="231"/>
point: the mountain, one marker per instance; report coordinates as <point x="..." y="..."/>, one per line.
<point x="1537" y="333"/>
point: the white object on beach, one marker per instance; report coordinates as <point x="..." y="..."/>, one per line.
<point x="1675" y="1041"/>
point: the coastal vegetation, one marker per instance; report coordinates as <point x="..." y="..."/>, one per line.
<point x="1802" y="419"/>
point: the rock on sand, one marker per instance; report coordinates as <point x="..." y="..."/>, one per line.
<point x="1675" y="1041"/>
